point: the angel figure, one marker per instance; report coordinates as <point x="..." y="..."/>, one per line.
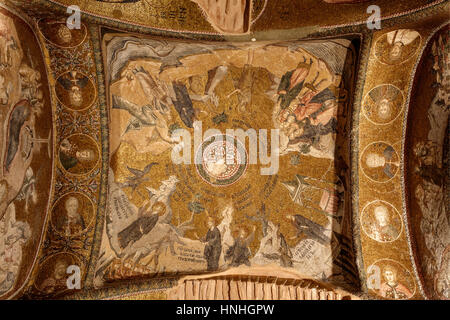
<point x="74" y="83"/>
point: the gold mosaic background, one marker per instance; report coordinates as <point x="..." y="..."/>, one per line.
<point x="383" y="95"/>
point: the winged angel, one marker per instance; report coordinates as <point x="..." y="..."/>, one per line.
<point x="147" y="103"/>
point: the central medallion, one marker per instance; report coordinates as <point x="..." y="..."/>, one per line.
<point x="221" y="160"/>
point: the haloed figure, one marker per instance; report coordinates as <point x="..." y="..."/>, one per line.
<point x="390" y="167"/>
<point x="70" y="157"/>
<point x="399" y="43"/>
<point x="391" y="288"/>
<point x="239" y="253"/>
<point x="73" y="89"/>
<point x="383" y="230"/>
<point x="72" y="222"/>
<point x="396" y="51"/>
<point x="213" y="246"/>
<point x="64" y="34"/>
<point x="57" y="280"/>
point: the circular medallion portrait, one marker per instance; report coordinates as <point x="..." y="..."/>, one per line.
<point x="381" y="221"/>
<point x="221" y="160"/>
<point x="75" y="90"/>
<point x="395" y="281"/>
<point x="59" y="34"/>
<point x="78" y="154"/>
<point x="54" y="273"/>
<point x="397" y="46"/>
<point x="383" y="104"/>
<point x="380" y="162"/>
<point x="72" y="214"/>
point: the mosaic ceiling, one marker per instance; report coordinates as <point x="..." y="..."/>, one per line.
<point x="162" y="141"/>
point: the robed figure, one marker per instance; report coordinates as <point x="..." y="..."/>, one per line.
<point x="213" y="248"/>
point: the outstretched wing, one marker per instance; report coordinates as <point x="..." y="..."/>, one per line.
<point x="133" y="109"/>
<point x="135" y="172"/>
<point x="148" y="167"/>
<point x="388" y="152"/>
<point x="133" y="124"/>
<point x="311" y="229"/>
<point x="82" y="82"/>
<point x="66" y="83"/>
<point x="284" y="246"/>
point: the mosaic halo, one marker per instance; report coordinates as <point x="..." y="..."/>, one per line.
<point x="380" y="162"/>
<point x="399" y="282"/>
<point x="85" y="214"/>
<point x="383" y="104"/>
<point x="72" y="154"/>
<point x="397" y="46"/>
<point x="392" y="227"/>
<point x="58" y="34"/>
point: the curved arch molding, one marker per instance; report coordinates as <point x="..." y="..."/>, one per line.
<point x="427" y="164"/>
<point x="26" y="150"/>
<point x="395" y="139"/>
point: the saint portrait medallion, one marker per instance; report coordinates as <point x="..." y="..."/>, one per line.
<point x="75" y="90"/>
<point x="381" y="221"/>
<point x="397" y="46"/>
<point x="72" y="214"/>
<point x="59" y="34"/>
<point x="396" y="282"/>
<point x="380" y="162"/>
<point x="78" y="154"/>
<point x="383" y="104"/>
<point x="53" y="277"/>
